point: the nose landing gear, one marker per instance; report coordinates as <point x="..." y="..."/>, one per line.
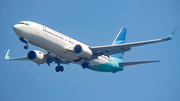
<point x="24" y="41"/>
<point x="26" y="46"/>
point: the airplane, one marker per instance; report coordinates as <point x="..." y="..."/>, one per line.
<point x="62" y="49"/>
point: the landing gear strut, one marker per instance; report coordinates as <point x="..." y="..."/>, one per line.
<point x="24" y="41"/>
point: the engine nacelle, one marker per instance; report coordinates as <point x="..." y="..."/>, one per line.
<point x="82" y="51"/>
<point x="36" y="56"/>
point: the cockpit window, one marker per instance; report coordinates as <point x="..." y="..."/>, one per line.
<point x="24" y="23"/>
<point x="21" y="23"/>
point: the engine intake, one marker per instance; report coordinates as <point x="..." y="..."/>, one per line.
<point x="32" y="55"/>
<point x="36" y="56"/>
<point x="78" y="49"/>
<point x="82" y="51"/>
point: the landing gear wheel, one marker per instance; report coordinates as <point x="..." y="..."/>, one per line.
<point x="57" y="69"/>
<point x="61" y="68"/>
<point x="26" y="47"/>
<point x="88" y="65"/>
<point x="85" y="65"/>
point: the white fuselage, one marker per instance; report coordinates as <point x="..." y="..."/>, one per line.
<point x="67" y="50"/>
<point x="53" y="41"/>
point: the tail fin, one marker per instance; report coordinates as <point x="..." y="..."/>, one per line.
<point x="120" y="39"/>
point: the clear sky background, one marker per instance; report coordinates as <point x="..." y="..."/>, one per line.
<point x="95" y="23"/>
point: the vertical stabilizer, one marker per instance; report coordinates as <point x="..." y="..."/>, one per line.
<point x="120" y="39"/>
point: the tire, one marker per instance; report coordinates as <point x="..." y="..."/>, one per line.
<point x="57" y="69"/>
<point x="26" y="47"/>
<point x="61" y="68"/>
<point x="87" y="65"/>
<point x="84" y="65"/>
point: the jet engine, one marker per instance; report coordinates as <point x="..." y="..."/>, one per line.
<point x="82" y="51"/>
<point x="36" y="56"/>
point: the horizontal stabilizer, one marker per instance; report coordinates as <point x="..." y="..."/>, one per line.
<point x="124" y="64"/>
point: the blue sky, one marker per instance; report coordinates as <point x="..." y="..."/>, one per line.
<point x="93" y="22"/>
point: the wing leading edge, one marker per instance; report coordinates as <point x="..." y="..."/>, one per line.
<point x="121" y="48"/>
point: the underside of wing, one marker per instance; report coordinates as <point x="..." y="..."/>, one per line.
<point x="110" y="49"/>
<point x="18" y="58"/>
<point x="53" y="58"/>
<point x="124" y="64"/>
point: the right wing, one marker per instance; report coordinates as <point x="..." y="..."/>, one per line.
<point x="121" y="48"/>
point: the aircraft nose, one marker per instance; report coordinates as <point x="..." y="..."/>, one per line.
<point x="18" y="29"/>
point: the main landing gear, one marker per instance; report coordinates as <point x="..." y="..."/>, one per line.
<point x="85" y="65"/>
<point x="24" y="41"/>
<point x="59" y="68"/>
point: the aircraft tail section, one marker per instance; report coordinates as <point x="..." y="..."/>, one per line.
<point x="120" y="39"/>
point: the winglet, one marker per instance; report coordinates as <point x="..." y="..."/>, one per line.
<point x="171" y="35"/>
<point x="7" y="57"/>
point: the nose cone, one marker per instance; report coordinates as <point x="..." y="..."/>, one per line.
<point x="18" y="29"/>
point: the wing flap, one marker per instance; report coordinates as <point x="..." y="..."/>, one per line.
<point x="125" y="64"/>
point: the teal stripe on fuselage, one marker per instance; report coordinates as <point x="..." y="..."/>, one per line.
<point x="113" y="65"/>
<point x="110" y="66"/>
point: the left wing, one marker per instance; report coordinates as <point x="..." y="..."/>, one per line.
<point x="121" y="48"/>
<point x="50" y="57"/>
<point x="7" y="57"/>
